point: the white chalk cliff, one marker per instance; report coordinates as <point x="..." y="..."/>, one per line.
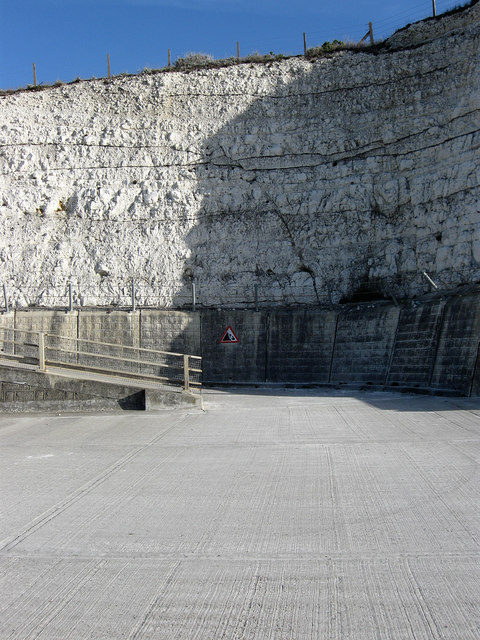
<point x="312" y="179"/>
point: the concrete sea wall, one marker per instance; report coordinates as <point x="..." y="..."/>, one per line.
<point x="429" y="344"/>
<point x="315" y="180"/>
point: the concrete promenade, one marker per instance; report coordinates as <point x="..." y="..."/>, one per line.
<point x="278" y="515"/>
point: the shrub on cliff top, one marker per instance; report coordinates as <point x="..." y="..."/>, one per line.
<point x="325" y="48"/>
<point x="193" y="60"/>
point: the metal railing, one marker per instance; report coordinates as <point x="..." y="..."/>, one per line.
<point x="140" y="363"/>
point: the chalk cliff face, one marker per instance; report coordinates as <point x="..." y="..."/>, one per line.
<point x="311" y="179"/>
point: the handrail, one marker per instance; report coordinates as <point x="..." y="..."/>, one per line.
<point x="43" y="348"/>
<point x="68" y="365"/>
<point x="122" y="346"/>
<point x="109" y="357"/>
<point x="107" y="344"/>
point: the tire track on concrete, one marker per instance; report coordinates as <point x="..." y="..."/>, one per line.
<point x="224" y="503"/>
<point x="224" y="617"/>
<point x="144" y="623"/>
<point x="452" y="420"/>
<point x="42" y="616"/>
<point x="206" y="605"/>
<point x="53" y="512"/>
<point x="26" y="588"/>
<point x="462" y="609"/>
<point x="422" y="602"/>
<point x="88" y="607"/>
<point x="404" y="608"/>
<point x="438" y="495"/>
<point x="125" y="494"/>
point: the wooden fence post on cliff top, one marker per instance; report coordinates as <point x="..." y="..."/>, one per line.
<point x="169" y="58"/>
<point x="368" y="34"/>
<point x="304" y="44"/>
<point x="238" y="51"/>
<point x="108" y="65"/>
<point x="34" y="75"/>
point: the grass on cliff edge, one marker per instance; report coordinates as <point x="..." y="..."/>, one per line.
<point x="194" y="61"/>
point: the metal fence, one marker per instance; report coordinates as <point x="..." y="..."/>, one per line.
<point x="216" y="294"/>
<point x="197" y="296"/>
<point x="48" y="350"/>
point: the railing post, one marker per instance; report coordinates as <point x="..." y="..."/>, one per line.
<point x="194" y="297"/>
<point x="133" y="296"/>
<point x="41" y="351"/>
<point x="5" y="298"/>
<point x="186" y="373"/>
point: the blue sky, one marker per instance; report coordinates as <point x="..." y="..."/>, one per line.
<point x="71" y="38"/>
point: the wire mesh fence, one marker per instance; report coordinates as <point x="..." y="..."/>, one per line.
<point x="217" y="294"/>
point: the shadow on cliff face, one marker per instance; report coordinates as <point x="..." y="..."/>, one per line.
<point x="309" y="193"/>
<point x="289" y="200"/>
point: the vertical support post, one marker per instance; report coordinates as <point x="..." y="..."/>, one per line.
<point x="5" y="298"/>
<point x="41" y="351"/>
<point x="186" y="373"/>
<point x="474" y="386"/>
<point x="370" y="30"/>
<point x="133" y="296"/>
<point x="34" y="75"/>
<point x="334" y="343"/>
<point x="108" y="65"/>
<point x="434" y="9"/>
<point x="392" y="351"/>
<point x="194" y="297"/>
<point x="169" y="58"/>
<point x="304" y="44"/>
<point x="70" y="297"/>
<point x="256" y="297"/>
<point x="238" y="51"/>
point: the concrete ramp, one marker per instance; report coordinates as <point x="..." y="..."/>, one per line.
<point x="23" y="387"/>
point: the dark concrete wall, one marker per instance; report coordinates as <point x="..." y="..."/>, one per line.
<point x="459" y="338"/>
<point x="430" y="344"/>
<point x="239" y="362"/>
<point x="300" y="345"/>
<point x="363" y="344"/>
<point x="416" y="344"/>
<point x="32" y="389"/>
<point x="423" y="344"/>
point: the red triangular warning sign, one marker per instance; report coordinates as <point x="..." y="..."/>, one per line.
<point x="229" y="336"/>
